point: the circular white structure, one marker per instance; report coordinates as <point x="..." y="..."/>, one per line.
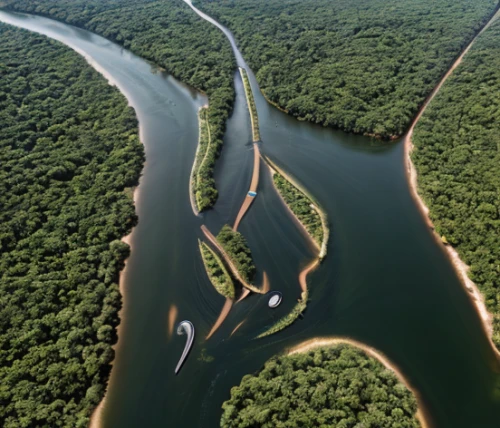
<point x="275" y="300"/>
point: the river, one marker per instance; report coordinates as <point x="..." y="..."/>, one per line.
<point x="385" y="282"/>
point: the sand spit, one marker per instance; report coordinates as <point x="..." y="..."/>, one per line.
<point x="172" y="316"/>
<point x="223" y="314"/>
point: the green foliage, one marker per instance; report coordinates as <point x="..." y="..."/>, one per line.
<point x="457" y="156"/>
<point x="288" y="319"/>
<point x="236" y="247"/>
<point x="301" y="206"/>
<point x="217" y="273"/>
<point x="205" y="196"/>
<point x="359" y="65"/>
<point x="69" y="149"/>
<point x="171" y="35"/>
<point x="338" y="386"/>
<point x="251" y="105"/>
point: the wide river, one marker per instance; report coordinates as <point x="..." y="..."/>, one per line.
<point x="385" y="282"/>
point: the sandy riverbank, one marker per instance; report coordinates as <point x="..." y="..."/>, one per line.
<point x="460" y="267"/>
<point x="320" y="342"/>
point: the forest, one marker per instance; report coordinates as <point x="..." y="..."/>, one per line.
<point x="336" y="386"/>
<point x="216" y="272"/>
<point x="169" y="34"/>
<point x="364" y="66"/>
<point x="457" y="157"/>
<point x="69" y="154"/>
<point x="236" y="247"/>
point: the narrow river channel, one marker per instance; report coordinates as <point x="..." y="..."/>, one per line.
<point x="385" y="282"/>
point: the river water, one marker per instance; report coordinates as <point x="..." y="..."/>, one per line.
<point x="385" y="282"/>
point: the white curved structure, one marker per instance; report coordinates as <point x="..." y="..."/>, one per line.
<point x="185" y="327"/>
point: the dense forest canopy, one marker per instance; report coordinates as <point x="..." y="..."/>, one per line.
<point x="457" y="156"/>
<point x="337" y="386"/>
<point x="69" y="149"/>
<point x="360" y="65"/>
<point x="171" y="35"/>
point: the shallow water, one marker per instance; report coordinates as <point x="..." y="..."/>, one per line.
<point x="384" y="282"/>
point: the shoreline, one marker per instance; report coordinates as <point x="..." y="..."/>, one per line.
<point x="320" y="342"/>
<point x="96" y="415"/>
<point x="460" y="267"/>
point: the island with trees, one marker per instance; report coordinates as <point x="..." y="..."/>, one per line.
<point x="303" y="207"/>
<point x="330" y="386"/>
<point x="69" y="154"/>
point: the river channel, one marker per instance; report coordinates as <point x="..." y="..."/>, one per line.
<point x="384" y="282"/>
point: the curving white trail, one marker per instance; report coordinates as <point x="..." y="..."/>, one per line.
<point x="185" y="327"/>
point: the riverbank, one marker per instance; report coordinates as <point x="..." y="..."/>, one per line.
<point x="321" y="342"/>
<point x="459" y="265"/>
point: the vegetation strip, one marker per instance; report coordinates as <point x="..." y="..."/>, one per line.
<point x="170" y="35"/>
<point x="202" y="152"/>
<point x="216" y="272"/>
<point x="312" y="218"/>
<point x="254" y="117"/>
<point x="335" y="384"/>
<point x="456" y="153"/>
<point x="299" y="308"/>
<point x="64" y="172"/>
<point x="288" y="319"/>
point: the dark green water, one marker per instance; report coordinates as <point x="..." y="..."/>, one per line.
<point x="385" y="282"/>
